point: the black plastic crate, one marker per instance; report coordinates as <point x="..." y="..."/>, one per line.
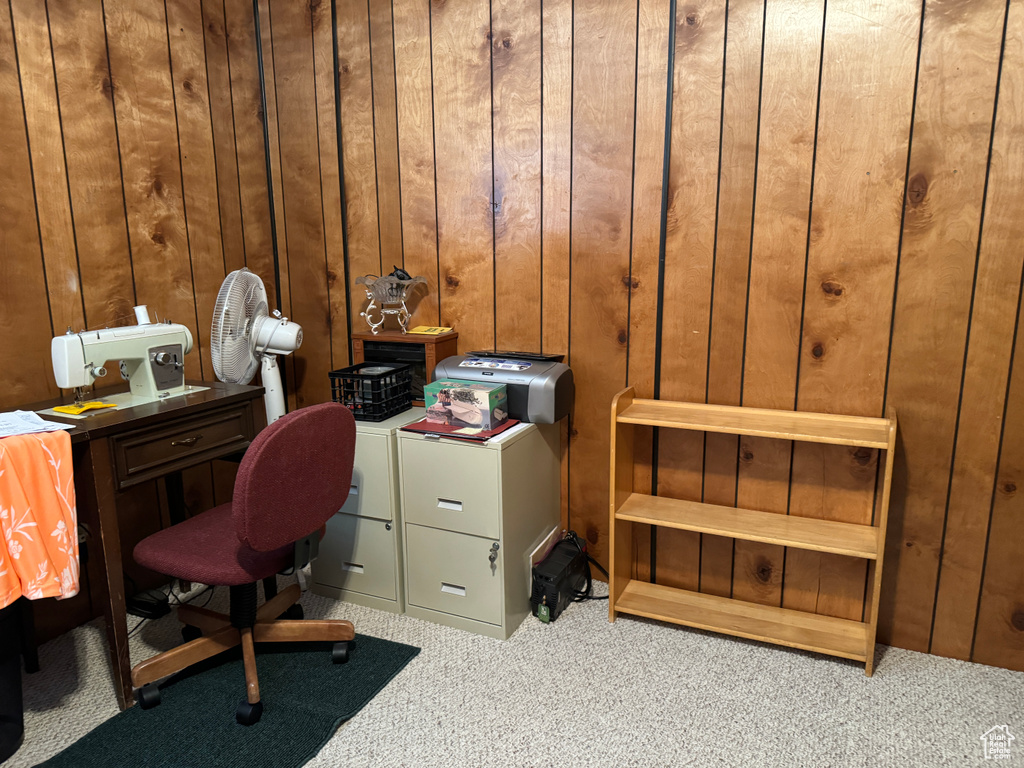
<point x="373" y="391"/>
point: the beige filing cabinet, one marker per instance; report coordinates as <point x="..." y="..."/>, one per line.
<point x="360" y="557"/>
<point x="472" y="515"/>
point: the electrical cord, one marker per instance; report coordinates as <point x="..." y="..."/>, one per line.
<point x="580" y="595"/>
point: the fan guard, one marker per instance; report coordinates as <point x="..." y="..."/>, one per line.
<point x="241" y="302"/>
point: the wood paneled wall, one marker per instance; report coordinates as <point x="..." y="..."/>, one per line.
<point x="841" y="232"/>
<point x="811" y="205"/>
<point x="133" y="172"/>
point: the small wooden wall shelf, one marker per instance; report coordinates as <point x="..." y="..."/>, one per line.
<point x="422" y="351"/>
<point x="797" y="629"/>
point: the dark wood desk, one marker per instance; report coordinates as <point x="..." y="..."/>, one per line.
<point x="116" y="449"/>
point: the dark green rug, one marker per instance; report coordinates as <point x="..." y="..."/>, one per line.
<point x="305" y="697"/>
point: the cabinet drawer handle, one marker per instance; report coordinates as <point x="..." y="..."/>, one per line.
<point x="453" y="589"/>
<point x="452" y="505"/>
<point x="353" y="490"/>
<point x="354" y="567"/>
<point x="188" y="442"/>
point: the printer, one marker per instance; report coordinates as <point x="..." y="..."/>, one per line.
<point x="539" y="387"/>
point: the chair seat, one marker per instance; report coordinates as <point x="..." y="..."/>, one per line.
<point x="206" y="549"/>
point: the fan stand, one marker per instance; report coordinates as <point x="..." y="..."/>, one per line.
<point x="273" y="395"/>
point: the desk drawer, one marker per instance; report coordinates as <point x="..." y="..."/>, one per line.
<point x="451" y="572"/>
<point x="450" y="486"/>
<point x="144" y="454"/>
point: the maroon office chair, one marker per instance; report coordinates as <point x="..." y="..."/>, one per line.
<point x="293" y="478"/>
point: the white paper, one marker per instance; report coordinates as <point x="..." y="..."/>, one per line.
<point x="27" y="423"/>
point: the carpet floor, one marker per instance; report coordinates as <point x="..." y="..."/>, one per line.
<point x="583" y="692"/>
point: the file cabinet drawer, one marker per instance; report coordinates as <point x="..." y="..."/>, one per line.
<point x="450" y="572"/>
<point x="370" y="493"/>
<point x="450" y="486"/>
<point x="358" y="555"/>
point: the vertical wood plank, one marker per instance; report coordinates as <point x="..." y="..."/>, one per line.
<point x="276" y="170"/>
<point x="648" y="165"/>
<point x="148" y="139"/>
<point x="218" y="74"/>
<point x="851" y="271"/>
<point x="385" y="128"/>
<point x="788" y="110"/>
<point x="49" y="172"/>
<point x="330" y="186"/>
<point x="732" y="259"/>
<point x="414" y="89"/>
<point x="556" y="147"/>
<point x="302" y="203"/>
<point x="999" y="636"/>
<point x="990" y="348"/>
<point x="462" y="121"/>
<point x="556" y="198"/>
<point x="198" y="164"/>
<point x="952" y="126"/>
<point x="516" y="66"/>
<point x="604" y="66"/>
<point x="23" y="305"/>
<point x="85" y="93"/>
<point x="689" y="268"/>
<point x="356" y="84"/>
<point x="250" y="149"/>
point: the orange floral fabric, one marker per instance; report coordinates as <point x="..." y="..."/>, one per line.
<point x="39" y="553"/>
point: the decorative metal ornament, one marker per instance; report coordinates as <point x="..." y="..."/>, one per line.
<point x="390" y="292"/>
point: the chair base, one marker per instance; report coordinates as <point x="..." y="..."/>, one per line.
<point x="219" y="636"/>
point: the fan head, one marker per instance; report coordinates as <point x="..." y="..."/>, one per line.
<point x="241" y="305"/>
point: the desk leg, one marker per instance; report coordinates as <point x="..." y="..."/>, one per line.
<point x="110" y="554"/>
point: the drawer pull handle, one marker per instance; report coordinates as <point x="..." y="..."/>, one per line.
<point x="453" y="589"/>
<point x="354" y="567"/>
<point x="449" y="504"/>
<point x="353" y="490"/>
<point x="188" y="442"/>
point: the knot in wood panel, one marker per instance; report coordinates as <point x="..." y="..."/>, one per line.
<point x="1017" y="620"/>
<point x="630" y="282"/>
<point x="863" y="456"/>
<point x="832" y="288"/>
<point x="592" y="534"/>
<point x="818" y="351"/>
<point x="622" y="337"/>
<point x="1009" y="488"/>
<point x="451" y="281"/>
<point x="763" y="571"/>
<point x="917" y="189"/>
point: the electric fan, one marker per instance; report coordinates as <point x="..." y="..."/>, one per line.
<point x="245" y="337"/>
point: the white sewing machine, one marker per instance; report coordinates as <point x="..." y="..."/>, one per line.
<point x="151" y="355"/>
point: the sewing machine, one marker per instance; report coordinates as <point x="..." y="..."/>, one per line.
<point x="151" y="355"/>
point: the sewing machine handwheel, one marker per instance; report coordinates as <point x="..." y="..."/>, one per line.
<point x="148" y="696"/>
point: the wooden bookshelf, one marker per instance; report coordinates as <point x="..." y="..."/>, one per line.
<point x="797" y="629"/>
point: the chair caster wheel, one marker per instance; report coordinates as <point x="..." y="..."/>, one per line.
<point x="249" y="714"/>
<point x="294" y="613"/>
<point x="190" y="633"/>
<point x="148" y="696"/>
<point x="339" y="653"/>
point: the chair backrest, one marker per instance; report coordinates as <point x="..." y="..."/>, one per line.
<point x="296" y="474"/>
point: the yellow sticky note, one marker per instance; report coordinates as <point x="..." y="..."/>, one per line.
<point x="74" y="410"/>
